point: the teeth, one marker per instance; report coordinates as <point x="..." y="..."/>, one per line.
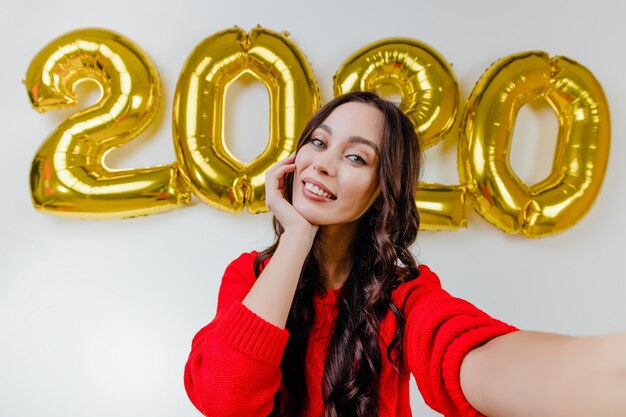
<point x="316" y="190"/>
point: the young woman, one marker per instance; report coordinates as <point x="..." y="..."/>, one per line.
<point x="333" y="318"/>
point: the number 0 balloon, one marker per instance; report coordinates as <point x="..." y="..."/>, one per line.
<point x="215" y="175"/>
<point x="581" y="153"/>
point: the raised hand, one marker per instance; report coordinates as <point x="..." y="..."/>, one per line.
<point x="275" y="200"/>
<point x="272" y="294"/>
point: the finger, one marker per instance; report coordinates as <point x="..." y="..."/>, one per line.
<point x="285" y="169"/>
<point x="279" y="179"/>
<point x="280" y="171"/>
<point x="278" y="165"/>
<point x="287" y="160"/>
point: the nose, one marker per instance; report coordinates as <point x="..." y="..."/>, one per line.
<point x="324" y="164"/>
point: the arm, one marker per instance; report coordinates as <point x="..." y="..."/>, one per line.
<point x="272" y="294"/>
<point x="234" y="365"/>
<point x="540" y="374"/>
<point x="440" y="330"/>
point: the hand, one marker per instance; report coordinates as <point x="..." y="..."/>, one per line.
<point x="275" y="200"/>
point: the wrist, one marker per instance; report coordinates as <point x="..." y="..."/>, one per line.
<point x="299" y="235"/>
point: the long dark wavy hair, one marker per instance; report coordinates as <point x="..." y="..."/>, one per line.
<point x="381" y="261"/>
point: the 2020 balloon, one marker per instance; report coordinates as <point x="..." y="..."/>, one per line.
<point x="69" y="176"/>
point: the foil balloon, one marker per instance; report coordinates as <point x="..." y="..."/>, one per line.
<point x="68" y="174"/>
<point x="441" y="207"/>
<point x="214" y="173"/>
<point x="429" y="97"/>
<point x="428" y="89"/>
<point x="566" y="194"/>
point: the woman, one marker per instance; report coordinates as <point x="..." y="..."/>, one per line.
<point x="333" y="318"/>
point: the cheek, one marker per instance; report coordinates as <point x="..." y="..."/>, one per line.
<point x="298" y="163"/>
<point x="303" y="154"/>
<point x="302" y="162"/>
<point x="368" y="192"/>
<point x="296" y="179"/>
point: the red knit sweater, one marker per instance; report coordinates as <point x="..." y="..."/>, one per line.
<point x="234" y="365"/>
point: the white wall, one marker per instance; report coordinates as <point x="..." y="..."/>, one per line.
<point x="96" y="317"/>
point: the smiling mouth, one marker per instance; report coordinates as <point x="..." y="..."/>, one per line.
<point x="318" y="191"/>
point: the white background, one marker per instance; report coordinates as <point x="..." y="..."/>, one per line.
<point x="96" y="317"/>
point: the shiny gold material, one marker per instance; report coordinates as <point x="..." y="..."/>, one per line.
<point x="68" y="174"/>
<point x="429" y="97"/>
<point x="215" y="175"/>
<point x="427" y="86"/>
<point x="441" y="207"/>
<point x="566" y="194"/>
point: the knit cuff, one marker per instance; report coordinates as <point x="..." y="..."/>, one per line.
<point x="454" y="355"/>
<point x="252" y="335"/>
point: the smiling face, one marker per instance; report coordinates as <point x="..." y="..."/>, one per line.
<point x="336" y="178"/>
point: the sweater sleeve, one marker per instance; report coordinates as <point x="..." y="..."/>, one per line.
<point x="440" y="330"/>
<point x="234" y="365"/>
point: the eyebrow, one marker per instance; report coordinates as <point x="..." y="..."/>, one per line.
<point x="354" y="139"/>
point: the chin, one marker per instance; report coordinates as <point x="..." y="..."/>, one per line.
<point x="311" y="214"/>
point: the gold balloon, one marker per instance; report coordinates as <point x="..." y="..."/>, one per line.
<point x="441" y="207"/>
<point x="68" y="175"/>
<point x="566" y="194"/>
<point x="215" y="175"/>
<point x="429" y="97"/>
<point x="427" y="86"/>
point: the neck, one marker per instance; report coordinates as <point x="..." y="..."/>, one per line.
<point x="331" y="252"/>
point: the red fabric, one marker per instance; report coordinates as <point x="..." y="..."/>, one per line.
<point x="234" y="365"/>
